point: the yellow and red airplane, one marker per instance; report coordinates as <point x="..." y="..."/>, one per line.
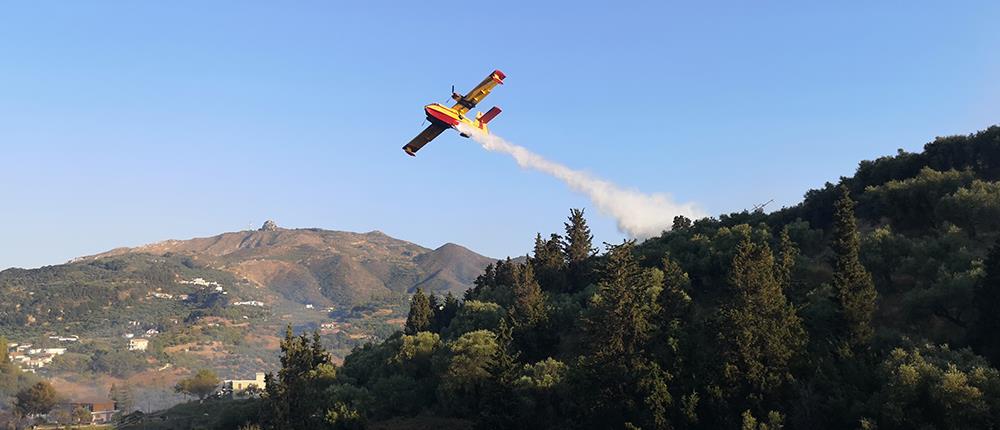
<point x="443" y="117"/>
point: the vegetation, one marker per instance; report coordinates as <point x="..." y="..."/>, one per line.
<point x="872" y="304"/>
<point x="35" y="400"/>
<point x="202" y="384"/>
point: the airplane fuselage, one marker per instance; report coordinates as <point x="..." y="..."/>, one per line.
<point x="440" y="114"/>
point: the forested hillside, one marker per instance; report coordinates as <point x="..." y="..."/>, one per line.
<point x="874" y="303"/>
<point x="143" y="318"/>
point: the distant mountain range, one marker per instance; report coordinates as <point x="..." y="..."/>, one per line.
<point x="324" y="267"/>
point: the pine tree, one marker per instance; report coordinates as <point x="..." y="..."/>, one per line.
<point x="529" y="303"/>
<point x="578" y="249"/>
<point x="621" y="320"/>
<point x="853" y="284"/>
<point x="122" y="396"/>
<point x="500" y="405"/>
<point x="618" y="381"/>
<point x="505" y="364"/>
<point x="446" y="313"/>
<point x="297" y="391"/>
<point x="504" y="276"/>
<point x="788" y="252"/>
<point x="674" y="299"/>
<point x="435" y="306"/>
<point x="539" y="249"/>
<point x="483" y="282"/>
<point x="126" y="402"/>
<point x="420" y="315"/>
<point x="579" y="240"/>
<point x="987" y="295"/>
<point x="760" y="331"/>
<point x="495" y="284"/>
<point x="113" y="393"/>
<point x="549" y="264"/>
<point x="675" y="312"/>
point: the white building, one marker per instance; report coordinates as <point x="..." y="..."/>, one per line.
<point x="201" y="282"/>
<point x="256" y="303"/>
<point x="237" y="386"/>
<point x="138" y="344"/>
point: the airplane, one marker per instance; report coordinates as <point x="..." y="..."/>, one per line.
<point x="443" y="117"/>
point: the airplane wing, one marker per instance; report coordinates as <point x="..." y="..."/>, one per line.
<point x="423" y="138"/>
<point x="470" y="100"/>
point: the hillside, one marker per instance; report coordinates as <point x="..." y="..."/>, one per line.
<point x="323" y="267"/>
<point x="875" y="303"/>
<point x="219" y="302"/>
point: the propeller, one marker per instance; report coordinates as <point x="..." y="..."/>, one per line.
<point x="455" y="96"/>
<point x="452" y="92"/>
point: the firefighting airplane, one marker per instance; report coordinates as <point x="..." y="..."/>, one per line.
<point x="443" y="117"/>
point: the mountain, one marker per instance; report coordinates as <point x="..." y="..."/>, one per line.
<point x="217" y="302"/>
<point x="323" y="267"/>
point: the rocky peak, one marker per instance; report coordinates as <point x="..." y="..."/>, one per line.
<point x="269" y="226"/>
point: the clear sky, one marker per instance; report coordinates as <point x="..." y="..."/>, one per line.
<point x="123" y="123"/>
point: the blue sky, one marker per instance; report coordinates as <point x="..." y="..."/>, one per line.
<point x="124" y="123"/>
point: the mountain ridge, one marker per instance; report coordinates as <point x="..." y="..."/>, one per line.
<point x="324" y="267"/>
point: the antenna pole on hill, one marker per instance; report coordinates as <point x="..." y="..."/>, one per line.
<point x="760" y="207"/>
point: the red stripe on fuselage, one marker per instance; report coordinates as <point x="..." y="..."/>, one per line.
<point x="436" y="115"/>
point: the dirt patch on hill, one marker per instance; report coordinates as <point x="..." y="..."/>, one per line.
<point x="210" y="350"/>
<point x="264" y="341"/>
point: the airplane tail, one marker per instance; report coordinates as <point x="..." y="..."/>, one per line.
<point x="489" y="115"/>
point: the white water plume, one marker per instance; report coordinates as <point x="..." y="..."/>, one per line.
<point x="639" y="215"/>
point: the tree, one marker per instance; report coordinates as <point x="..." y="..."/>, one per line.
<point x="549" y="263"/>
<point x="466" y="378"/>
<point x="446" y="313"/>
<point x="855" y="291"/>
<point x="620" y="322"/>
<point x="343" y="417"/>
<point x="435" y="306"/>
<point x="787" y="254"/>
<point x="618" y="380"/>
<point x="495" y="284"/>
<point x="579" y="240"/>
<point x="498" y="399"/>
<point x="202" y="384"/>
<point x="910" y="203"/>
<point x="936" y="387"/>
<point x="295" y="397"/>
<point x="475" y="315"/>
<point x="976" y="208"/>
<point x="35" y="400"/>
<point x="987" y="294"/>
<point x="123" y="397"/>
<point x="529" y="303"/>
<point x="419" y="318"/>
<point x="675" y="307"/>
<point x="681" y="222"/>
<point x="578" y="249"/>
<point x="759" y="330"/>
<point x="4" y="348"/>
<point x="82" y="415"/>
<point x="674" y="300"/>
